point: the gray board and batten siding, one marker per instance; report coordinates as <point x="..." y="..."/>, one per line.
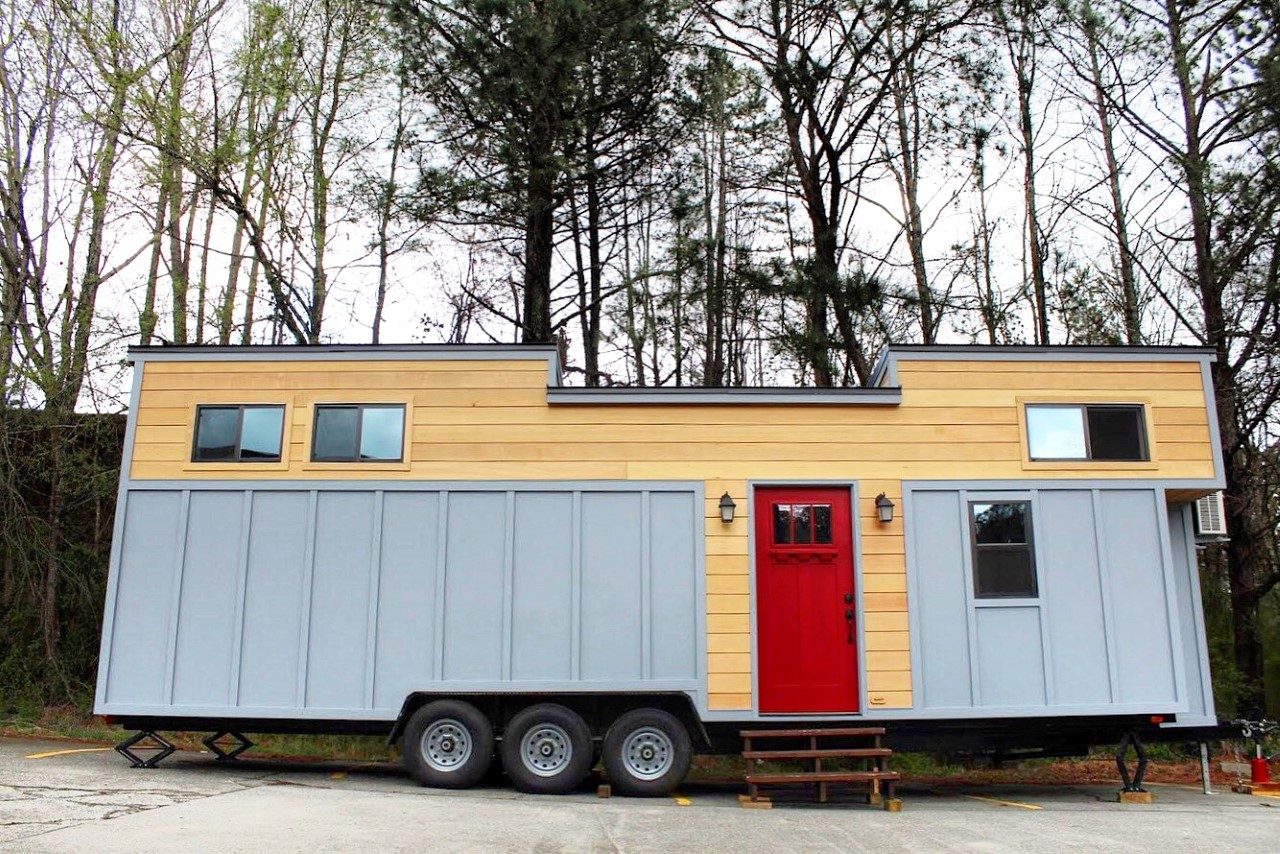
<point x="335" y="601"/>
<point x="1116" y="625"/>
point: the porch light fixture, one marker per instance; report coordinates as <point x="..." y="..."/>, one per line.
<point x="726" y="508"/>
<point x="884" y="508"/>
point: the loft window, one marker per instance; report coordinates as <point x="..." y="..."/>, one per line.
<point x="802" y="524"/>
<point x="363" y="432"/>
<point x="238" y="434"/>
<point x="1003" y="560"/>
<point x="1086" y="432"/>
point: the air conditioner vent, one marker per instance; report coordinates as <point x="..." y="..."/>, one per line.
<point x="1211" y="518"/>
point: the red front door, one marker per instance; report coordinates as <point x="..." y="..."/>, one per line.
<point x="805" y="608"/>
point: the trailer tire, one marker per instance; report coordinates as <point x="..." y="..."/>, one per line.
<point x="647" y="753"/>
<point x="546" y="749"/>
<point x="448" y="744"/>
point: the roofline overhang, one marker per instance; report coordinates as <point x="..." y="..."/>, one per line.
<point x="352" y="352"/>
<point x="892" y="353"/>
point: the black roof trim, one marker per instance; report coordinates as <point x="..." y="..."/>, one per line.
<point x="1136" y="349"/>
<point x="333" y="348"/>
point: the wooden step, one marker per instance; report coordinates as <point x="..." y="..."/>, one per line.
<point x="823" y="777"/>
<point x="820" y="753"/>
<point x="848" y="732"/>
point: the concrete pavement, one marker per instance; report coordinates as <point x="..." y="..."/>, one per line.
<point x="55" y="801"/>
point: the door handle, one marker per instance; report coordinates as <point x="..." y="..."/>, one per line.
<point x="848" y="598"/>
<point x="848" y="620"/>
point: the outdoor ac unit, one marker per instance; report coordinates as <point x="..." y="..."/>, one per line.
<point x="1211" y="518"/>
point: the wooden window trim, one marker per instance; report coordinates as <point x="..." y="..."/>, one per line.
<point x="1084" y="400"/>
<point x="309" y="463"/>
<point x="238" y="464"/>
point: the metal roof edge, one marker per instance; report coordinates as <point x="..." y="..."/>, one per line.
<point x="1064" y="350"/>
<point x="350" y="352"/>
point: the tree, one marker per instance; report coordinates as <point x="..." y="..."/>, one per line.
<point x="831" y="67"/>
<point x="516" y="85"/>
<point x="1023" y="32"/>
<point x="1222" y="140"/>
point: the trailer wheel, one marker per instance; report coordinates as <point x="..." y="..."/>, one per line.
<point x="546" y="749"/>
<point x="647" y="753"/>
<point x="448" y="744"/>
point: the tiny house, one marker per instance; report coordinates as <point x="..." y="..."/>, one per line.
<point x="988" y="546"/>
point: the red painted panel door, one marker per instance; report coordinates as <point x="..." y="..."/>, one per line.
<point x="807" y="640"/>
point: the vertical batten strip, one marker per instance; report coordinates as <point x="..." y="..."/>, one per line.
<point x="508" y="582"/>
<point x="442" y="557"/>
<point x="575" y="591"/>
<point x="1161" y="503"/>
<point x="1104" y="585"/>
<point x="304" y="622"/>
<point x="371" y="615"/>
<point x="970" y="605"/>
<point x="1042" y="599"/>
<point x="242" y="576"/>
<point x="915" y="600"/>
<point x="175" y="597"/>
<point x="646" y="585"/>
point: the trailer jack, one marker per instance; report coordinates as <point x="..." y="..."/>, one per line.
<point x="1134" y="783"/>
<point x="162" y="747"/>
<point x="223" y="754"/>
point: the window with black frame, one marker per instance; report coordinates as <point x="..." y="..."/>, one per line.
<point x="358" y="432"/>
<point x="238" y="433"/>
<point x="1003" y="556"/>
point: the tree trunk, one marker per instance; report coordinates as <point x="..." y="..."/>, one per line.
<point x="178" y="269"/>
<point x="907" y="112"/>
<point x="1020" y="35"/>
<point x="202" y="288"/>
<point x="539" y="236"/>
<point x="50" y="627"/>
<point x="1124" y="254"/>
<point x="226" y="312"/>
<point x="1244" y="550"/>
<point x="148" y="318"/>
<point x="595" y="273"/>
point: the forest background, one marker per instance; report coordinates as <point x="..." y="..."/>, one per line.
<point x="676" y="192"/>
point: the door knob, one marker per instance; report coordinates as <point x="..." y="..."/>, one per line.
<point x="848" y="615"/>
<point x="848" y="598"/>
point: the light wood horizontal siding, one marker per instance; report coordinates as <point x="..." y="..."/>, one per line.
<point x="489" y="420"/>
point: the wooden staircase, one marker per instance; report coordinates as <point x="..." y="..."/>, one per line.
<point x="874" y="756"/>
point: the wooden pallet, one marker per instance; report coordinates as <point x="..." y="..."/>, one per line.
<point x="881" y="782"/>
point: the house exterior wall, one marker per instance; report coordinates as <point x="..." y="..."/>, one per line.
<point x="1111" y="628"/>
<point x="339" y="601"/>
<point x="485" y="420"/>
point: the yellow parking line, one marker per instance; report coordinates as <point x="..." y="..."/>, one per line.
<point x="1017" y="804"/>
<point x="1266" y="795"/>
<point x="683" y="801"/>
<point x="65" y="752"/>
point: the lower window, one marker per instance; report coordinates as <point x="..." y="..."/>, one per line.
<point x="1003" y="557"/>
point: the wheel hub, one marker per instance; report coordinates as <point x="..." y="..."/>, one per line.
<point x="446" y="745"/>
<point x="546" y="750"/>
<point x="648" y="753"/>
